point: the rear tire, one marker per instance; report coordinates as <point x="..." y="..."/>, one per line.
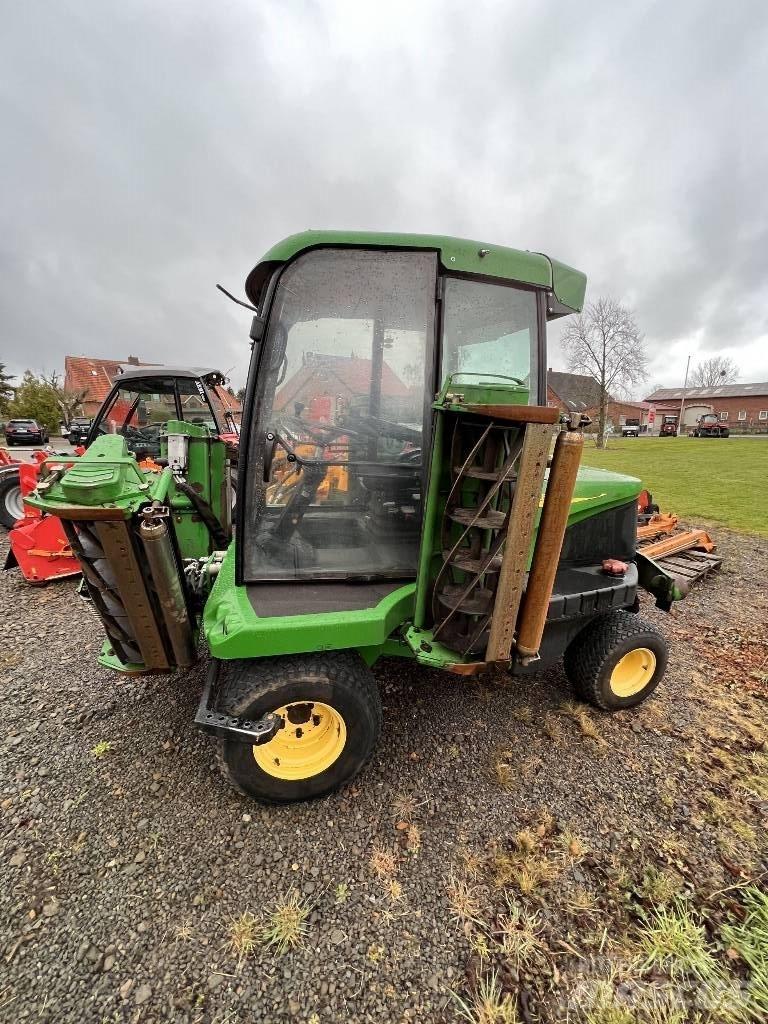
<point x="11" y="505"/>
<point x="335" y="720"/>
<point x="617" y="661"/>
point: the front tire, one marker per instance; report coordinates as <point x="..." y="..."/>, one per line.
<point x="11" y="505"/>
<point x="331" y="707"/>
<point x="617" y="661"/>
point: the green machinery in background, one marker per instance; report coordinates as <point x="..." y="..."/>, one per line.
<point x="396" y="496"/>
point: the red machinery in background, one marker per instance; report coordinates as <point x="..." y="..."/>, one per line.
<point x="139" y="403"/>
<point x="38" y="545"/>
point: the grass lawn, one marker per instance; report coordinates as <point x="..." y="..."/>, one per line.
<point x="725" y="480"/>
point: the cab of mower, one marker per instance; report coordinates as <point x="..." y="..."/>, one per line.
<point x="360" y="334"/>
<point x="142" y="401"/>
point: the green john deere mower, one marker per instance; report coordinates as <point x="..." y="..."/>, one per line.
<point x="396" y="496"/>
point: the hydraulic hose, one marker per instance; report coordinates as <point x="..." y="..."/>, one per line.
<point x="206" y="513"/>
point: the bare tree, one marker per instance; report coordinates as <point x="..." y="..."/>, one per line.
<point x="713" y="371"/>
<point x="69" y="402"/>
<point x="605" y="342"/>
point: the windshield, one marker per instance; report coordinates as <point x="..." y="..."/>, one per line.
<point x="490" y="329"/>
<point x="344" y="383"/>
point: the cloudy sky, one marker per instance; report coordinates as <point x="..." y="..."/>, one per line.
<point x="152" y="149"/>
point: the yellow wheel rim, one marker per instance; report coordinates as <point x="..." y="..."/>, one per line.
<point x="312" y="738"/>
<point x="633" y="672"/>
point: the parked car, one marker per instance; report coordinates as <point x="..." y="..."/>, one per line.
<point x="78" y="429"/>
<point x="25" y="432"/>
<point x="631" y="428"/>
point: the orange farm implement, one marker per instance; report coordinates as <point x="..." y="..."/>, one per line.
<point x="38" y="545"/>
<point x="688" y="555"/>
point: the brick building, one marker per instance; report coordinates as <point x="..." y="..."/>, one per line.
<point x="618" y="412"/>
<point x="581" y="389"/>
<point x="94" y="377"/>
<point x="744" y="407"/>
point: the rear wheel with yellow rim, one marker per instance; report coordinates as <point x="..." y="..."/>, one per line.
<point x="330" y="710"/>
<point x="616" y="661"/>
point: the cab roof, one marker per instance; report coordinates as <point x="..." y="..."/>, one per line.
<point x="130" y="372"/>
<point x="565" y="285"/>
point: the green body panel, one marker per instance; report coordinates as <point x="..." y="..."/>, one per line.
<point x="430" y="544"/>
<point x="106" y="476"/>
<point x="463" y="389"/>
<point x="456" y="254"/>
<point x="599" y="489"/>
<point x="429" y="652"/>
<point x="206" y="472"/>
<point x="234" y="630"/>
<point x="108" y="659"/>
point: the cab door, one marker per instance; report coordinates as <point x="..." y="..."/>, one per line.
<point x="337" y="449"/>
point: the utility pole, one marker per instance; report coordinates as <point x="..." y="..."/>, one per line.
<point x="682" y="400"/>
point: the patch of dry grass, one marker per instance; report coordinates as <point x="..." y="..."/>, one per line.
<point x="244" y="934"/>
<point x="520" y="936"/>
<point x="579" y="714"/>
<point x="413" y="839"/>
<point x="527" y="872"/>
<point x="581" y="902"/>
<point x="489" y="1004"/>
<point x="394" y="890"/>
<point x="464" y="900"/>
<point x="286" y="927"/>
<point x="404" y="806"/>
<point x="504" y="772"/>
<point x="659" y="886"/>
<point x="383" y="862"/>
<point x="471" y="862"/>
<point x="573" y="847"/>
<point x="554" y="730"/>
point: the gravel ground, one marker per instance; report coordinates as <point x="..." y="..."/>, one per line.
<point x="127" y="858"/>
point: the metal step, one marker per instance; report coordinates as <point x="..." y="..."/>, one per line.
<point x="488" y="520"/>
<point x="462" y="559"/>
<point x="478" y="473"/>
<point x="477" y="602"/>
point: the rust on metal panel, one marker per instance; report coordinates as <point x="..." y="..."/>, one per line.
<point x="530" y="477"/>
<point x="549" y="541"/>
<point x="119" y="551"/>
<point x="517" y="413"/>
<point x="92" y="513"/>
<point x="467" y="668"/>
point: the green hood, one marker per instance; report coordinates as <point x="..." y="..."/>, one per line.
<point x="599" y="489"/>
